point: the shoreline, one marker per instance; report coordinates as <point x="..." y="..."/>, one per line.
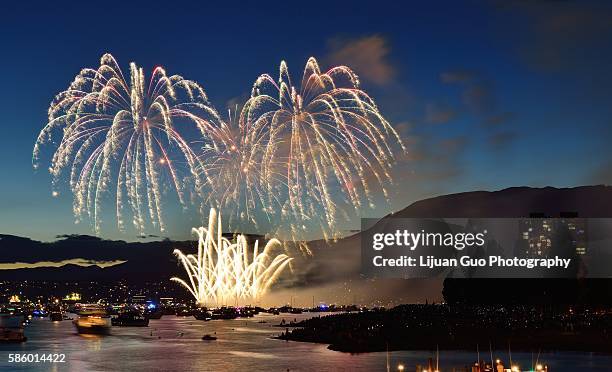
<point x="431" y="327"/>
<point x="333" y="347"/>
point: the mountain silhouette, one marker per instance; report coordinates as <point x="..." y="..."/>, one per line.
<point x="331" y="261"/>
<point x="586" y="201"/>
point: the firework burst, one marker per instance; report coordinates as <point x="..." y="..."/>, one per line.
<point x="333" y="143"/>
<point x="127" y="134"/>
<point x="299" y="158"/>
<point x="240" y="171"/>
<point x="225" y="271"/>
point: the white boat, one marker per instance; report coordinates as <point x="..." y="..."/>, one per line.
<point x="92" y="319"/>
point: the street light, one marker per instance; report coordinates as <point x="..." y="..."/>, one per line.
<point x="400" y="367"/>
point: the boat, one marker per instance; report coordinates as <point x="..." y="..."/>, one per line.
<point x="203" y="314"/>
<point x="208" y="337"/>
<point x="11" y="328"/>
<point x="92" y="319"/>
<point x="157" y="314"/>
<point x="225" y="313"/>
<point x="246" y="312"/>
<point x="130" y="319"/>
<point x="39" y="313"/>
<point x="56" y="316"/>
<point x="184" y="311"/>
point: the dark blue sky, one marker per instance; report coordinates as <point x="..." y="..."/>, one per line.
<point x="487" y="94"/>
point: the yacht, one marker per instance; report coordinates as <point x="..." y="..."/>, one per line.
<point x="92" y="319"/>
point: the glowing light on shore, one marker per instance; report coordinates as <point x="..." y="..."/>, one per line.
<point x="128" y="136"/>
<point x="14" y="299"/>
<point x="73" y="296"/>
<point x="228" y="271"/>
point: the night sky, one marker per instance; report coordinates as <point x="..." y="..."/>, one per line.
<point x="487" y="95"/>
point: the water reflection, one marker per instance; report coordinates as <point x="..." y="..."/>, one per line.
<point x="174" y="343"/>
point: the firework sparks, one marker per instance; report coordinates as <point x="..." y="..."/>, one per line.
<point x="125" y="134"/>
<point x="240" y="171"/>
<point x="331" y="141"/>
<point x="299" y="158"/>
<point x="223" y="270"/>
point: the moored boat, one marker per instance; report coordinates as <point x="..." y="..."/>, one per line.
<point x="184" y="311"/>
<point x="224" y="313"/>
<point x="157" y="314"/>
<point x="56" y="316"/>
<point x="130" y="319"/>
<point x="203" y="314"/>
<point x="11" y="328"/>
<point x="92" y="319"/>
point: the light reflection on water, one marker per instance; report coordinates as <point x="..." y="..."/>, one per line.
<point x="174" y="344"/>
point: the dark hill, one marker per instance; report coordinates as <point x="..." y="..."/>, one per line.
<point x="587" y="201"/>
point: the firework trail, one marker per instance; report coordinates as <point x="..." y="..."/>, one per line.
<point x="326" y="146"/>
<point x="224" y="271"/>
<point x="130" y="135"/>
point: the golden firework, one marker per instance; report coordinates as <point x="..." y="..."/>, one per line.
<point x="126" y="134"/>
<point x="225" y="271"/>
<point x="332" y="144"/>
